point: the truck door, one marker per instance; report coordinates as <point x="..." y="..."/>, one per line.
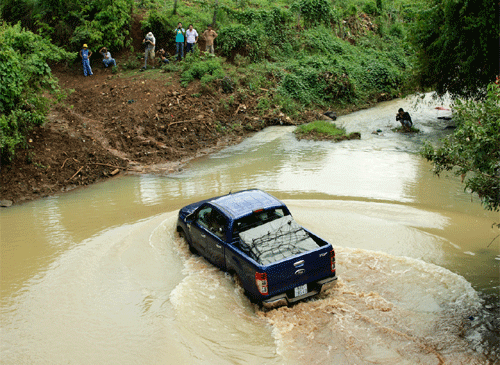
<point x="209" y="233"/>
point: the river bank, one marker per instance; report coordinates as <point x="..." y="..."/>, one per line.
<point x="129" y="122"/>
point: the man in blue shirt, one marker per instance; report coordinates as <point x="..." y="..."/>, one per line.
<point x="85" y="54"/>
<point x="179" y="41"/>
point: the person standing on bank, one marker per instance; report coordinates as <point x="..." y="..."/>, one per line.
<point x="85" y="54"/>
<point x="209" y="35"/>
<point x="150" y="42"/>
<point x="191" y="38"/>
<point x="179" y="41"/>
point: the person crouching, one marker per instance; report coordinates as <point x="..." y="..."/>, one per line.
<point x="107" y="60"/>
<point x="405" y="119"/>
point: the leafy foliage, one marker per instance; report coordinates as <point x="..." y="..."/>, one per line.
<point x="161" y="24"/>
<point x="74" y="22"/>
<point x="458" y="43"/>
<point x="323" y="130"/>
<point x="24" y="78"/>
<point x="474" y="148"/>
<point x="238" y="37"/>
<point x="109" y="26"/>
<point x="314" y="12"/>
<point x="206" y="70"/>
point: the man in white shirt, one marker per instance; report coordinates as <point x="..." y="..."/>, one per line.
<point x="192" y="38"/>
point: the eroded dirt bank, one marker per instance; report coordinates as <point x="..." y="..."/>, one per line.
<point x="128" y="123"/>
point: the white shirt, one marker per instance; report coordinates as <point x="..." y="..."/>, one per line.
<point x="191" y="35"/>
<point x="152" y="39"/>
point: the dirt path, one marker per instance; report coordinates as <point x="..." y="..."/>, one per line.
<point x="127" y="123"/>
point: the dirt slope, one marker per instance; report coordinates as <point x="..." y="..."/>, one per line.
<point x="127" y="123"/>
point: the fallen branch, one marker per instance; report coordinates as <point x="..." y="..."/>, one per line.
<point x="76" y="173"/>
<point x="64" y="163"/>
<point x="182" y="121"/>
<point x="108" y="165"/>
<point x="492" y="241"/>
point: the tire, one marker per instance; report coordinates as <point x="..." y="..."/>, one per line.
<point x="182" y="234"/>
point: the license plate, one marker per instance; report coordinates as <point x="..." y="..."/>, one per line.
<point x="300" y="290"/>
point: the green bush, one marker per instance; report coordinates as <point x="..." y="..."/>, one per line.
<point x="25" y="77"/>
<point x="109" y="26"/>
<point x="74" y="22"/>
<point x="320" y="40"/>
<point x="320" y="127"/>
<point x="206" y="70"/>
<point x="371" y="8"/>
<point x="240" y="38"/>
<point x="314" y="12"/>
<point x="161" y="24"/>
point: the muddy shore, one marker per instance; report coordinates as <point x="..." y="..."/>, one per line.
<point x="129" y="122"/>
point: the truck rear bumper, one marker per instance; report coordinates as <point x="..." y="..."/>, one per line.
<point x="283" y="299"/>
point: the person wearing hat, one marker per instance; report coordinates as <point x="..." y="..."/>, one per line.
<point x="149" y="41"/>
<point x="107" y="59"/>
<point x="85" y="54"/>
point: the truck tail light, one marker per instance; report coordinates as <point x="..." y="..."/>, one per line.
<point x="261" y="282"/>
<point x="332" y="260"/>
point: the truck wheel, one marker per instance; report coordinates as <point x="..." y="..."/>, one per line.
<point x="237" y="280"/>
<point x="183" y="235"/>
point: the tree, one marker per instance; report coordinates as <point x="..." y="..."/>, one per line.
<point x="473" y="151"/>
<point x="25" y="81"/>
<point x="458" y="46"/>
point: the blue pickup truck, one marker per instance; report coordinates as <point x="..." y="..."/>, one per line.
<point x="253" y="236"/>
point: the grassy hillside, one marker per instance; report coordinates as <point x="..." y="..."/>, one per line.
<point x="314" y="53"/>
<point x="310" y="54"/>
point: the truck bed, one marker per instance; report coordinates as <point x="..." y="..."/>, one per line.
<point x="276" y="240"/>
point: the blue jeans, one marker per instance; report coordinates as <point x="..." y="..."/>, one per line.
<point x="87" y="71"/>
<point x="181" y="46"/>
<point x="189" y="47"/>
<point x="109" y="61"/>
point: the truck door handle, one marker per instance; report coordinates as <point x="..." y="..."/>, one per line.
<point x="299" y="263"/>
<point x="218" y="246"/>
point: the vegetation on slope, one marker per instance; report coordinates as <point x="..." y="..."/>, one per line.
<point x="25" y="79"/>
<point x="304" y="55"/>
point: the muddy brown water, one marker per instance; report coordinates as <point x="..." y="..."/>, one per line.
<point x="99" y="276"/>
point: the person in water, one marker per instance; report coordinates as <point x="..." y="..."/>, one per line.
<point x="405" y="119"/>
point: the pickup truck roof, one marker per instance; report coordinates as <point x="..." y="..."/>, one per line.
<point x="245" y="202"/>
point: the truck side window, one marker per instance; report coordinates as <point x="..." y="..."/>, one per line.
<point x="204" y="217"/>
<point x="213" y="221"/>
<point x="218" y="223"/>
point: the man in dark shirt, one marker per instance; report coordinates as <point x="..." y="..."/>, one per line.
<point x="405" y="119"/>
